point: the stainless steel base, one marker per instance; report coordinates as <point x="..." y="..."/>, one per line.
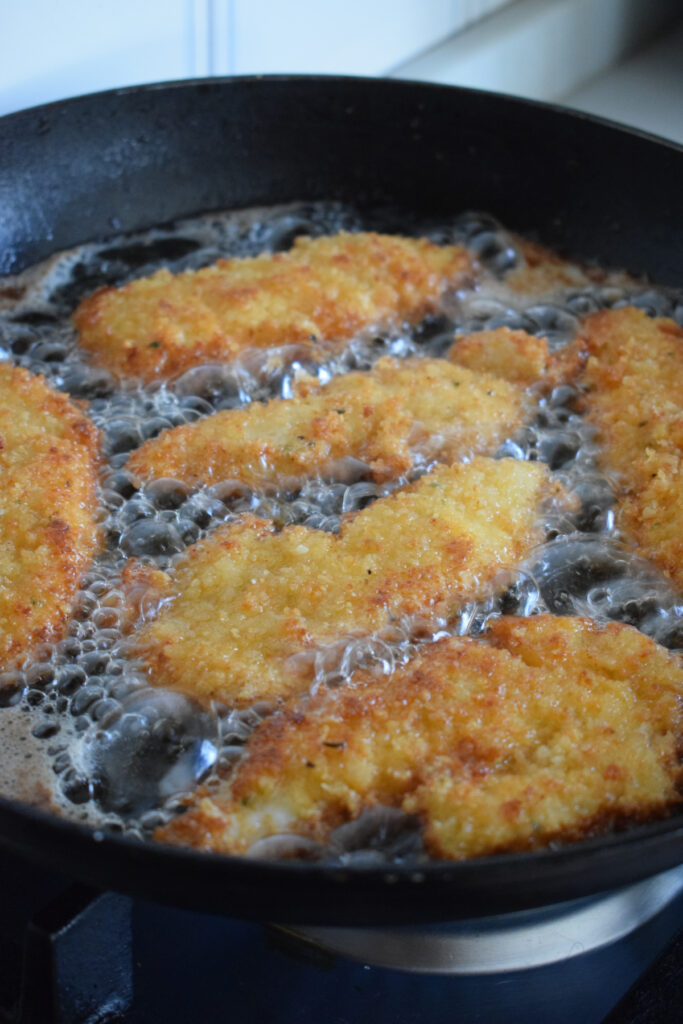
<point x="507" y="942"/>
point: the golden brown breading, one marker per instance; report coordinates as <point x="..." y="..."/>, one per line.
<point x="543" y="271"/>
<point x="634" y="383"/>
<point x="513" y="355"/>
<point x="518" y="357"/>
<point x="48" y="477"/>
<point x="247" y="599"/>
<point x="323" y="289"/>
<point x="547" y="729"/>
<point x="384" y="416"/>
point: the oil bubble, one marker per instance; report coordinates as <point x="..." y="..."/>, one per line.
<point x="161" y="745"/>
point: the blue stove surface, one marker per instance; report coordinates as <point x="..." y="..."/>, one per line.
<point x="73" y="955"/>
<point x="191" y="967"/>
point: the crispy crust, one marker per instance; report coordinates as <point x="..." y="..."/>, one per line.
<point x="383" y="417"/>
<point x="247" y="599"/>
<point x="544" y="272"/>
<point x="323" y="289"/>
<point x="518" y="357"/>
<point x="48" y="468"/>
<point x="634" y="396"/>
<point x="547" y="730"/>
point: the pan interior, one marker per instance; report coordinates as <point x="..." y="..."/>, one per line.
<point x="113" y="753"/>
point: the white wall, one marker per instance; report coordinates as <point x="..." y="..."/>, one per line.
<point x="362" y="37"/>
<point x="544" y="49"/>
<point x="50" y="49"/>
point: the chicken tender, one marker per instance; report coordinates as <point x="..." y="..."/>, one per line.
<point x="385" y="417"/>
<point x="323" y="290"/>
<point x="634" y="396"/>
<point x="543" y="272"/>
<point x="48" y="477"/>
<point x="513" y="355"/>
<point x="518" y="357"/>
<point x="247" y="602"/>
<point x="547" y="729"/>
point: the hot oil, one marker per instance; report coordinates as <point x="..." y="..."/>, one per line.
<point x="82" y="730"/>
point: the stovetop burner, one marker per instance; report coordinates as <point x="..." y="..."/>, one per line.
<point x="69" y="955"/>
<point x="506" y="942"/>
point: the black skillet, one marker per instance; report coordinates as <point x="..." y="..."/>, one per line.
<point x="128" y="159"/>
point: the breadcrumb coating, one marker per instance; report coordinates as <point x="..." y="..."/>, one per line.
<point x="547" y="729"/>
<point x="323" y="290"/>
<point x="48" y="499"/>
<point x="518" y="357"/>
<point x="512" y="355"/>
<point x="385" y="417"/>
<point x="543" y="272"/>
<point x="634" y="396"/>
<point x="247" y="602"/>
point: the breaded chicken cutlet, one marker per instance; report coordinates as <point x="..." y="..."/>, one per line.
<point x="384" y="417"/>
<point x="547" y="729"/>
<point x="543" y="272"/>
<point x="323" y="290"/>
<point x="244" y="602"/>
<point x="517" y="357"/>
<point x="48" y="500"/>
<point x="634" y="397"/>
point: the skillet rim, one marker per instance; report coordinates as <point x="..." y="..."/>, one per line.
<point x="282" y="77"/>
<point x="570" y="116"/>
<point x="476" y="887"/>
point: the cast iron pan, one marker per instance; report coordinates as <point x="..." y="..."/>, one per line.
<point x="128" y="159"/>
